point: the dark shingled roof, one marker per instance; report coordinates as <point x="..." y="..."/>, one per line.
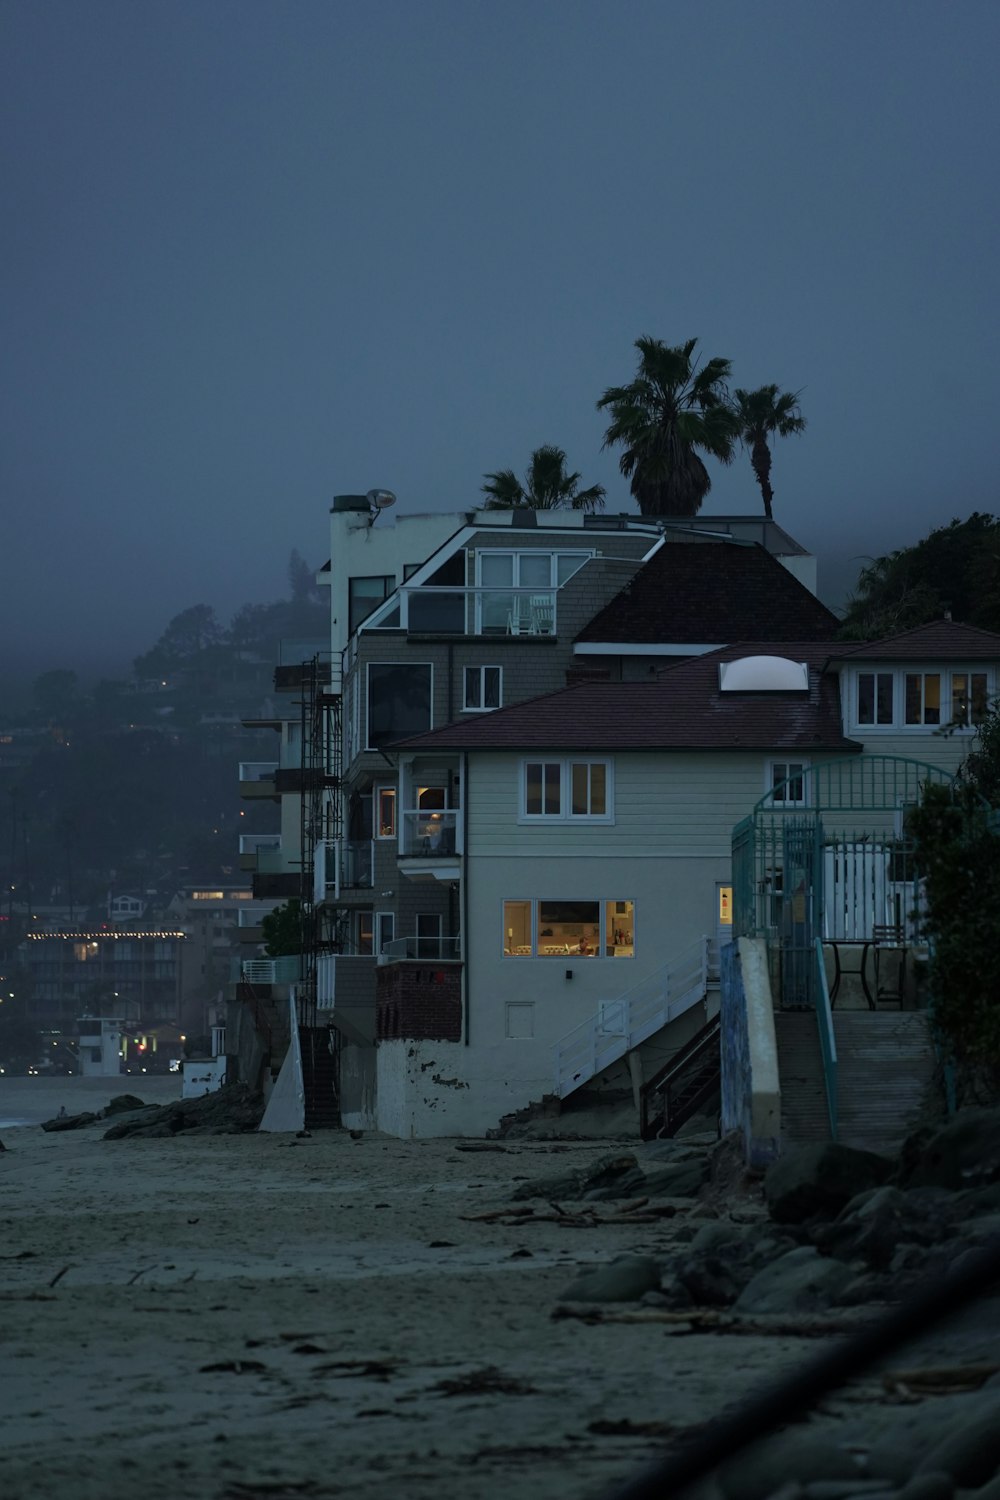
<point x="941" y="640"/>
<point x="703" y="592"/>
<point x="682" y="709"/>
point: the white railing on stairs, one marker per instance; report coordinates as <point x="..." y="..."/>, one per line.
<point x="635" y="1016"/>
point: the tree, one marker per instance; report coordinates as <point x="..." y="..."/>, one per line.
<point x="955" y="568"/>
<point x="547" y="486"/>
<point x="765" y="414"/>
<point x="957" y="849"/>
<point x="670" y="413"/>
<point x="281" y="930"/>
<point x="187" y="636"/>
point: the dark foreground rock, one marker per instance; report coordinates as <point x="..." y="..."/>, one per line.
<point x="660" y="1169"/>
<point x="233" y="1110"/>
<point x="72" y="1122"/>
<point x="819" y="1179"/>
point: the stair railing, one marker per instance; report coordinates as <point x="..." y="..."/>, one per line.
<point x="631" y="1018"/>
<point x="697" y="1061"/>
<point x="827" y="1039"/>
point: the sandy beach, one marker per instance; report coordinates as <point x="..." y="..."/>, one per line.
<point x="239" y="1316"/>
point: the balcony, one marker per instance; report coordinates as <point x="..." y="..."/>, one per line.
<point x="429" y="848"/>
<point x="249" y="919"/>
<point x="343" y="865"/>
<point x="257" y="778"/>
<point x="298" y="660"/>
<point x="267" y="971"/>
<point x="433" y="610"/>
<point x="254" y="844"/>
<point x="345" y="994"/>
<point x="432" y="950"/>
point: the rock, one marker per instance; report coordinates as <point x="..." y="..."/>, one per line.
<point x="873" y="1226"/>
<point x="800" y="1454"/>
<point x="799" y="1281"/>
<point x="971" y="1455"/>
<point x="122" y="1104"/>
<point x="232" y="1110"/>
<point x="819" y="1180"/>
<point x="928" y="1487"/>
<point x="964" y="1153"/>
<point x="626" y="1279"/>
<point x="70" y="1122"/>
<point x="554" y="1186"/>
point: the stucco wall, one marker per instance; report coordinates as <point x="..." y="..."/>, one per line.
<point x="445" y="1088"/>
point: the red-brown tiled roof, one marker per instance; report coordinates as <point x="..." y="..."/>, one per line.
<point x="683" y="708"/>
<point x="703" y="592"/>
<point x="941" y="640"/>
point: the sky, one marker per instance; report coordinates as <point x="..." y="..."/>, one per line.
<point x="260" y="252"/>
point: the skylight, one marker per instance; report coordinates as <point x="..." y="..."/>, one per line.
<point x="763" y="674"/>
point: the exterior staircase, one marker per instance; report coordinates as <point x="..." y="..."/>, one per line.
<point x="683" y="1086"/>
<point x="630" y="1019"/>
<point x="319" y="1078"/>
<point x="885" y="1066"/>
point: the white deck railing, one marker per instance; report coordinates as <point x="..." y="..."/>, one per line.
<point x="635" y="1016"/>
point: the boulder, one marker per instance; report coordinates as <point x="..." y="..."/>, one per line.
<point x="233" y="1110"/>
<point x="626" y="1279"/>
<point x="818" y="1180"/>
<point x="801" y="1454"/>
<point x="801" y="1280"/>
<point x="971" y="1454"/>
<point x="70" y="1122"/>
<point x="964" y="1153"/>
<point x="123" y="1104"/>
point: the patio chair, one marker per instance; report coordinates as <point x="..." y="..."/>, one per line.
<point x="542" y="615"/>
<point x="889" y="937"/>
<point x="519" y="618"/>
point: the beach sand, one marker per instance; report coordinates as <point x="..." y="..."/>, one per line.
<point x="259" y="1315"/>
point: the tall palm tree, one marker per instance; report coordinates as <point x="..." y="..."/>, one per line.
<point x="671" y="410"/>
<point x="547" y="486"/>
<point x="764" y="415"/>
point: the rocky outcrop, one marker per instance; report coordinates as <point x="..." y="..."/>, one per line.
<point x="233" y="1110"/>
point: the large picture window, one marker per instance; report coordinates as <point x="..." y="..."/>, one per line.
<point x="547" y="928"/>
<point x="399" y="700"/>
<point x="569" y="790"/>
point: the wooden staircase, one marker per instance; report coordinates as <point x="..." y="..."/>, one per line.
<point x="885" y="1066"/>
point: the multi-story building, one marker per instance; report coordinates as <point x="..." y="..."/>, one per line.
<point x="443" y="619"/>
<point x="132" y="973"/>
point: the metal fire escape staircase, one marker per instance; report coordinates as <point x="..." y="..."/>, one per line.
<point x="321" y="739"/>
<point x="626" y="1022"/>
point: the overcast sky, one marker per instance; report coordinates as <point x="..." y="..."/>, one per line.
<point x="259" y="253"/>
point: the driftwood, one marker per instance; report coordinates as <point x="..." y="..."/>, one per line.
<point x="706" y="1320"/>
<point x="940" y="1379"/>
<point x="637" y="1211"/>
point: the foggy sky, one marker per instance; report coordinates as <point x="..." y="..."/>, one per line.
<point x="256" y="254"/>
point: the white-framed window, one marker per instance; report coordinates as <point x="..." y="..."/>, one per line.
<point x="363" y="933"/>
<point x="385" y="812"/>
<point x="569" y="790"/>
<point x="385" y="929"/>
<point x="919" y="698"/>
<point x="545" y="927"/>
<point x="483" y="689"/>
<point x="787" y="782"/>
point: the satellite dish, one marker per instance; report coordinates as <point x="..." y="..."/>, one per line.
<point x="381" y="499"/>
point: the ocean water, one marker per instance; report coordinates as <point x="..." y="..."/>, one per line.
<point x="30" y="1101"/>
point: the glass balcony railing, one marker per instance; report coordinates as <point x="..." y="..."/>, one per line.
<point x="343" y="864"/>
<point x="432" y="610"/>
<point x="422" y="949"/>
<point x="429" y="833"/>
<point x="257" y="770"/>
<point x="259" y="843"/>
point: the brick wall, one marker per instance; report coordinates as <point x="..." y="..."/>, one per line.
<point x="419" y="1001"/>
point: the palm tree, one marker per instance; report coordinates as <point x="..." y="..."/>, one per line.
<point x="546" y="485"/>
<point x="670" y="410"/>
<point x="764" y="415"/>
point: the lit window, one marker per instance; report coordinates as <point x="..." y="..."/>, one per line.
<point x="385" y="812"/>
<point x="568" y="929"/>
<point x="923" y="697"/>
